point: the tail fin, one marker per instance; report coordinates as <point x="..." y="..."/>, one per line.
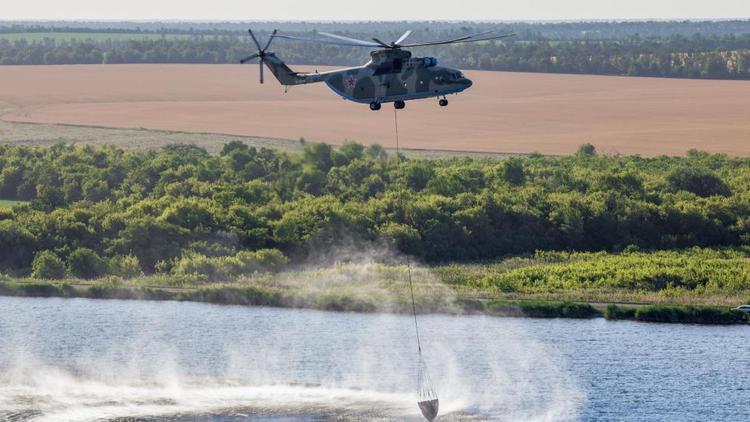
<point x="280" y="70"/>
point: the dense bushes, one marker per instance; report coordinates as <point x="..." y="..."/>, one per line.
<point x="541" y="309"/>
<point x="693" y="270"/>
<point x="615" y="312"/>
<point x="677" y="314"/>
<point x="689" y="314"/>
<point x="227" y="267"/>
<point x="179" y="209"/>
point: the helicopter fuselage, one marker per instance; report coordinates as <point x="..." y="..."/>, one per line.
<point x="391" y="75"/>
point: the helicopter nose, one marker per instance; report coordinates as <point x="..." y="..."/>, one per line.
<point x="467" y="83"/>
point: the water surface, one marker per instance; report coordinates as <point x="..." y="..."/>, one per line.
<point x="78" y="359"/>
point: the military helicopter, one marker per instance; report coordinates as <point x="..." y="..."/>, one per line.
<point x="391" y="75"/>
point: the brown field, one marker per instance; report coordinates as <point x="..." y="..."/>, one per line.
<point x="503" y="112"/>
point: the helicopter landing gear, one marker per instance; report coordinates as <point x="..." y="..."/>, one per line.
<point x="443" y="102"/>
<point x="399" y="105"/>
<point x="374" y="106"/>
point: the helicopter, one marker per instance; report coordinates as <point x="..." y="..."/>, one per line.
<point x="391" y="75"/>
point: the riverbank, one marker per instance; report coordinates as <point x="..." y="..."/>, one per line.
<point x="430" y="299"/>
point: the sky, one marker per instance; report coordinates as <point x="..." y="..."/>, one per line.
<point x="500" y="10"/>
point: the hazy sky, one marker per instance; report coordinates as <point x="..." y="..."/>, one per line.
<point x="372" y="10"/>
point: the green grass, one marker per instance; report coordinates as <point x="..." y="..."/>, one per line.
<point x="696" y="276"/>
<point x="5" y="203"/>
<point x="687" y="286"/>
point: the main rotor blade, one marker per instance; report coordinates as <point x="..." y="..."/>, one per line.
<point x="403" y="37"/>
<point x="470" y="38"/>
<point x="261" y="70"/>
<point x="255" y="40"/>
<point x="347" y="39"/>
<point x="248" y="58"/>
<point x="382" y="44"/>
<point x="329" y="42"/>
<point x="268" y="44"/>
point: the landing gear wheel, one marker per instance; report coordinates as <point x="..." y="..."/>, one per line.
<point x="443" y="102"/>
<point x="374" y="106"/>
<point x="399" y="105"/>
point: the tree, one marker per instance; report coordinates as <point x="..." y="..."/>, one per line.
<point x="418" y="174"/>
<point x="513" y="171"/>
<point x="87" y="264"/>
<point x="17" y="245"/>
<point x="586" y="150"/>
<point x="48" y="266"/>
<point x="151" y="241"/>
<point x="700" y="181"/>
<point x="319" y="156"/>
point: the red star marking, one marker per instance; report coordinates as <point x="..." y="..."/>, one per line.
<point x="350" y="82"/>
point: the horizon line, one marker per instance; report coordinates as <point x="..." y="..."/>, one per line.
<point x="349" y="21"/>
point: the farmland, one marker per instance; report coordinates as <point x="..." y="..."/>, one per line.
<point x="502" y="113"/>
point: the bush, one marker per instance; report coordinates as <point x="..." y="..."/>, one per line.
<point x="689" y="314"/>
<point x="87" y="264"/>
<point x="614" y="312"/>
<point x="228" y="267"/>
<point x="513" y="171"/>
<point x="542" y="309"/>
<point x="125" y="266"/>
<point x="47" y="266"/>
<point x="586" y="150"/>
<point x="234" y="296"/>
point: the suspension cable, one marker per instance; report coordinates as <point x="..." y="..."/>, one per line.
<point x="403" y="207"/>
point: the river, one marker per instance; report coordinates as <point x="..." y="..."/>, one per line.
<point x="79" y="359"/>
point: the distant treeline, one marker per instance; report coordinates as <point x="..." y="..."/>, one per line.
<point x="698" y="56"/>
<point x="96" y="211"/>
<point x="392" y="29"/>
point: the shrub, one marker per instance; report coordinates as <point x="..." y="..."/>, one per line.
<point x="125" y="266"/>
<point x="614" y="312"/>
<point x="689" y="314"/>
<point x="48" y="266"/>
<point x="227" y="267"/>
<point x="87" y="264"/>
<point x="513" y="171"/>
<point x="586" y="150"/>
<point x="542" y="309"/>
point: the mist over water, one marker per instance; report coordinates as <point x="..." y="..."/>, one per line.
<point x="85" y="360"/>
<point x="77" y="359"/>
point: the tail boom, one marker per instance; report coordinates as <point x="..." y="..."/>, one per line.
<point x="286" y="76"/>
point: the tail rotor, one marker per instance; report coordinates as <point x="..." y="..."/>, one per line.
<point x="261" y="54"/>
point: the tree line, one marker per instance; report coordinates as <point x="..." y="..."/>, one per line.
<point x="94" y="211"/>
<point x="714" y="57"/>
<point x="393" y="29"/>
